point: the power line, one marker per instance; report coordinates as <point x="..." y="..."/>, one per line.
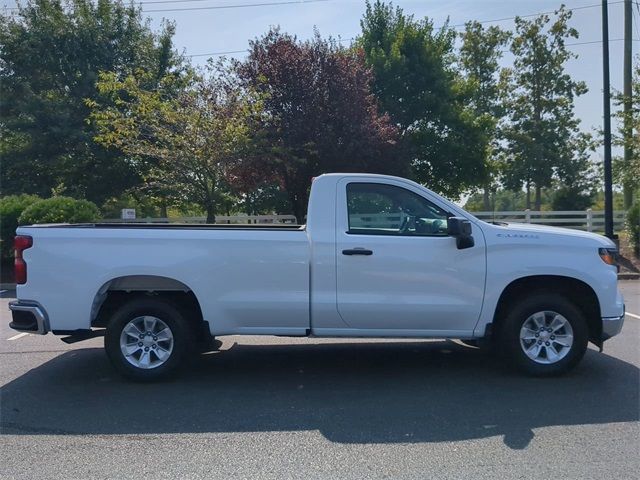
<point x="292" y="2"/>
<point x="233" y="52"/>
<point x="244" y="5"/>
<point x="149" y="2"/>
<point x="598" y="41"/>
<point x="538" y="14"/>
<point x="217" y="54"/>
<point x="211" y="7"/>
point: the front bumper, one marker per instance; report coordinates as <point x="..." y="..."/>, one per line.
<point x="612" y="326"/>
<point x="28" y="317"/>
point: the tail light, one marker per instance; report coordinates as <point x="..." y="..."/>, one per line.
<point x="21" y="243"/>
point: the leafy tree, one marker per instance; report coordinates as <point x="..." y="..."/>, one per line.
<point x="264" y="200"/>
<point x="569" y="197"/>
<point x="479" y="55"/>
<point x="198" y="136"/>
<point x="51" y="53"/>
<point x="504" y="200"/>
<point x="144" y="206"/>
<point x="558" y="197"/>
<point x="418" y="85"/>
<point x="320" y="115"/>
<point x="628" y="174"/>
<point x="542" y="137"/>
<point x="618" y="200"/>
<point x="632" y="226"/>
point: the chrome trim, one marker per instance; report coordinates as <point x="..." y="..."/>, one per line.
<point x="612" y="326"/>
<point x="37" y="311"/>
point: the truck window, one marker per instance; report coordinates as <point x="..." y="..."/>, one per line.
<point x="381" y="209"/>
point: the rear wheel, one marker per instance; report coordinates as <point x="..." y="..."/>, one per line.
<point x="545" y="335"/>
<point x="148" y="339"/>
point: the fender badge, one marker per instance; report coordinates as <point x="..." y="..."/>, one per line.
<point x="517" y="235"/>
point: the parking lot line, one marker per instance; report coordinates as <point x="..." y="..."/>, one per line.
<point x="633" y="315"/>
<point x="20" y="335"/>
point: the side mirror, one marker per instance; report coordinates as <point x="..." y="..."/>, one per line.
<point x="460" y="228"/>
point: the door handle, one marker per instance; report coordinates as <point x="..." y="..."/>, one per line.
<point x="357" y="251"/>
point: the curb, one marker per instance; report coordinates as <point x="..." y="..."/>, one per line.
<point x="628" y="276"/>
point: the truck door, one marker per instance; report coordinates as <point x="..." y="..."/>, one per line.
<point x="398" y="272"/>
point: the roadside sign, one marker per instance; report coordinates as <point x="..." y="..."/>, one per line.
<point x="128" y="214"/>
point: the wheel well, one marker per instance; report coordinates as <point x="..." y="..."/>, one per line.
<point x="578" y="292"/>
<point x="123" y="289"/>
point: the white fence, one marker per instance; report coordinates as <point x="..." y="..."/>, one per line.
<point x="224" y="219"/>
<point x="590" y="220"/>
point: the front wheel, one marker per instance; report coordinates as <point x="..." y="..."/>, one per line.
<point x="147" y="339"/>
<point x="545" y="335"/>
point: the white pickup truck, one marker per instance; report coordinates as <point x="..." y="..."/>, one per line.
<point x="379" y="256"/>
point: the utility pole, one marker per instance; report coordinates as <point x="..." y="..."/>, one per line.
<point x="608" y="192"/>
<point x="626" y="90"/>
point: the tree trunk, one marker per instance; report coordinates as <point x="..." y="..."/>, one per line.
<point x="299" y="207"/>
<point x="528" y="204"/>
<point x="163" y="209"/>
<point x="299" y="203"/>
<point x="627" y="189"/>
<point x="211" y="214"/>
<point x="486" y="199"/>
<point x="298" y="199"/>
<point x="538" y="198"/>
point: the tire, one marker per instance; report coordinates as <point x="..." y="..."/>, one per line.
<point x="550" y="328"/>
<point x="164" y="342"/>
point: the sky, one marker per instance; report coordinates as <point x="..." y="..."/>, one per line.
<point x="201" y="31"/>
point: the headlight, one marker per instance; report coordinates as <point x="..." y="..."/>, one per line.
<point x="609" y="256"/>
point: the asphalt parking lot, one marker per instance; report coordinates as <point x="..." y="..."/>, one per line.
<point x="266" y="407"/>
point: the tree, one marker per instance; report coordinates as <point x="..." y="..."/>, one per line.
<point x="479" y="55"/>
<point x="629" y="173"/>
<point x="501" y="200"/>
<point x="418" y="85"/>
<point x="542" y="136"/>
<point x="197" y="136"/>
<point x="320" y="115"/>
<point x="569" y="197"/>
<point x="51" y="53"/>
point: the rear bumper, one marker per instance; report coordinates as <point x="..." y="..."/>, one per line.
<point x="28" y="317"/>
<point x="611" y="326"/>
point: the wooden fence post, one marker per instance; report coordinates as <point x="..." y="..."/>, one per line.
<point x="527" y="216"/>
<point x="589" y="220"/>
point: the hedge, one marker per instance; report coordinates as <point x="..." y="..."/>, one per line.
<point x="11" y="207"/>
<point x="59" y="210"/>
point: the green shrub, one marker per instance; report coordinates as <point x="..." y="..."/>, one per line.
<point x="633" y="226"/>
<point x="11" y="208"/>
<point x="59" y="210"/>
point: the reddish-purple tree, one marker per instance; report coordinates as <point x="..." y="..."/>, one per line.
<point x="320" y="115"/>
